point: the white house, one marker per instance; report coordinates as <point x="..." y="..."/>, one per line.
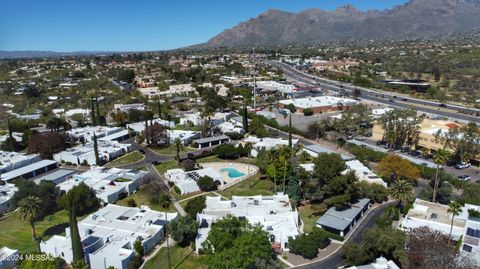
<point x="191" y="118"/>
<point x="186" y="137"/>
<point x="273" y="213"/>
<point x="139" y="127"/>
<point x="109" y="234"/>
<point x="12" y="160"/>
<point x="380" y="263"/>
<point x="187" y="181"/>
<point x="230" y="126"/>
<point x="363" y="173"/>
<point x="109" y="184"/>
<point x="7" y="190"/>
<point x="85" y="153"/>
<point x="8" y="257"/>
<point x="266" y="143"/>
<point x="471" y="235"/>
<point x="105" y="133"/>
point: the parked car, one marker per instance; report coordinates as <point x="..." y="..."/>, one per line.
<point x="415" y="153"/>
<point x="464" y="177"/>
<point x="156" y="162"/>
<point x="462" y="165"/>
<point x="404" y="99"/>
<point x="141" y="151"/>
<point x="391" y="101"/>
<point x="442" y="105"/>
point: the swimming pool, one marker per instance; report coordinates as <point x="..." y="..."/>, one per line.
<point x="232" y="172"/>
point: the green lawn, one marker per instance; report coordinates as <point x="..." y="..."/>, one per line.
<point x="163" y="167"/>
<point x="128" y="158"/>
<point x="184" y="258"/>
<point x="308" y="219"/>
<point x="180" y="197"/>
<point x="213" y="158"/>
<point x="172" y="151"/>
<point x="251" y="186"/>
<point x="141" y="198"/>
<point x="17" y="234"/>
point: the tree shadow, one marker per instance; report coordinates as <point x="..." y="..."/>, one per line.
<point x="55" y="229"/>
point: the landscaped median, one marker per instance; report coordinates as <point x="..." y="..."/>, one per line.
<point x="129" y="158"/>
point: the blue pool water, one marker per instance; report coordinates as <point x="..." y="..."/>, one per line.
<point x="232" y="172"/>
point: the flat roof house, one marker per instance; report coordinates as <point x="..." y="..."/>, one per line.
<point x="363" y="173"/>
<point x="12" y="160"/>
<point x="314" y="150"/>
<point x="211" y="141"/>
<point x="187" y="181"/>
<point x="266" y="143"/>
<point x="139" y="127"/>
<point x="7" y="190"/>
<point x="109" y="184"/>
<point x="56" y="177"/>
<point x="274" y="213"/>
<point x="103" y="133"/>
<point x="85" y="153"/>
<point x="8" y="257"/>
<point x="341" y="221"/>
<point x="380" y="263"/>
<point x="30" y="170"/>
<point x="108" y="235"/>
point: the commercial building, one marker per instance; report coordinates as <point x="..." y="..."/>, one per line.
<point x="109" y="185"/>
<point x="266" y="143"/>
<point x="7" y="190"/>
<point x="276" y="86"/>
<point x="363" y="173"/>
<point x="85" y="153"/>
<point x="428" y="129"/>
<point x="109" y="234"/>
<point x="320" y="104"/>
<point x="274" y="213"/>
<point x="341" y="221"/>
<point x="187" y="181"/>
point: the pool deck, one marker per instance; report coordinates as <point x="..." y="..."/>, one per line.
<point x="247" y="169"/>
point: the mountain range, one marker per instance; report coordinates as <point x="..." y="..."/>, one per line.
<point x="412" y="20"/>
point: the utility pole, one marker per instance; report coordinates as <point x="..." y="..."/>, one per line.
<point x="254" y="83"/>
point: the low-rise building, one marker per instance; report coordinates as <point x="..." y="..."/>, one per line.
<point x="380" y="263"/>
<point x="127" y="107"/>
<point x="341" y="221"/>
<point x="211" y="141"/>
<point x="187" y="137"/>
<point x="187" y="181"/>
<point x="363" y="173"/>
<point x="12" y="160"/>
<point x="7" y="190"/>
<point x="109" y="185"/>
<point x="276" y="86"/>
<point x="8" y="257"/>
<point x="31" y="170"/>
<point x="180" y="89"/>
<point x="319" y="104"/>
<point x="109" y="234"/>
<point x="314" y="150"/>
<point x="230" y="127"/>
<point x="266" y="143"/>
<point x="56" y="176"/>
<point x="274" y="213"/>
<point x="85" y="153"/>
<point x="85" y="134"/>
<point x="139" y="127"/>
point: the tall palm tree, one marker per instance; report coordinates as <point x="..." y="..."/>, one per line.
<point x="30" y="209"/>
<point x="178" y="144"/>
<point x="455" y="208"/>
<point x="402" y="191"/>
<point x="440" y="158"/>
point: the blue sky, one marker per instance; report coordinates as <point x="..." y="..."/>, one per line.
<point x="128" y="25"/>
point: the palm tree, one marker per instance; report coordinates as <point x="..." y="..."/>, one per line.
<point x="30" y="209"/>
<point x="455" y="208"/>
<point x="178" y="144"/>
<point x="402" y="191"/>
<point x="440" y="158"/>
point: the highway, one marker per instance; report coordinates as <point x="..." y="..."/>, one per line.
<point x="387" y="98"/>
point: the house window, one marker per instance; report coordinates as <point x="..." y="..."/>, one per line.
<point x="467" y="248"/>
<point x="473" y="232"/>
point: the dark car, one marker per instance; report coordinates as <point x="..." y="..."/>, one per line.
<point x="190" y="155"/>
<point x="404" y="99"/>
<point x="391" y="101"/>
<point x="156" y="162"/>
<point x="442" y="105"/>
<point x="141" y="151"/>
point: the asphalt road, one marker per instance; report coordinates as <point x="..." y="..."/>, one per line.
<point x="336" y="260"/>
<point x="383" y="97"/>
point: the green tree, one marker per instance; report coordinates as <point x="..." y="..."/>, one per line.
<point x="206" y="183"/>
<point x="95" y="149"/>
<point x="92" y="111"/>
<point x="245" y="118"/>
<point x="455" y="209"/>
<point x="440" y="158"/>
<point x="164" y="200"/>
<point x="30" y="209"/>
<point x="396" y="167"/>
<point x="183" y="230"/>
<point x="258" y="128"/>
<point x="79" y="201"/>
<point x="51" y="263"/>
<point x="194" y="206"/>
<point x="235" y="244"/>
<point x="178" y="144"/>
<point x="402" y="191"/>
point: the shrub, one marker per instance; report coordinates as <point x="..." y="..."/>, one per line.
<point x="188" y="164"/>
<point x="308" y="245"/>
<point x="291" y="107"/>
<point x="194" y="206"/>
<point x="307" y="112"/>
<point x="131" y="202"/>
<point x="177" y="189"/>
<point x="234" y="136"/>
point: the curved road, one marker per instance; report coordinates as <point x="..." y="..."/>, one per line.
<point x="336" y="260"/>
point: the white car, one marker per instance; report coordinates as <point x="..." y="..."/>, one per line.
<point x="464" y="178"/>
<point x="462" y="165"/>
